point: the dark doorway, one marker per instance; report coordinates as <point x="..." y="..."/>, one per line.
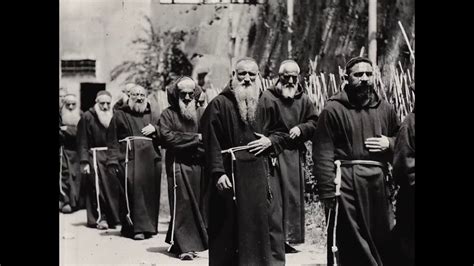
<point x="88" y="93"/>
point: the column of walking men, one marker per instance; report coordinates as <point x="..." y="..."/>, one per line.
<point x="234" y="167"/>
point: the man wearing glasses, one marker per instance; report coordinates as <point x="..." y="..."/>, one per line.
<point x="101" y="191"/>
<point x="288" y="119"/>
<point x="134" y="158"/>
<point x="70" y="182"/>
<point x="184" y="159"/>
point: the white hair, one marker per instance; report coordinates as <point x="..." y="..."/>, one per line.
<point x="286" y="62"/>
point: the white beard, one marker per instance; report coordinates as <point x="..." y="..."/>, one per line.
<point x="70" y="118"/>
<point x="287" y="92"/>
<point x="137" y="107"/>
<point x="104" y="116"/>
<point x="247" y="100"/>
<point x="188" y="112"/>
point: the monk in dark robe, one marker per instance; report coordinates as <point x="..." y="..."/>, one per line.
<point x="404" y="173"/>
<point x="184" y="157"/>
<point x="133" y="155"/>
<point x="289" y="119"/>
<point x="351" y="148"/>
<point x="239" y="191"/>
<point x="92" y="149"/>
<point x="71" y="181"/>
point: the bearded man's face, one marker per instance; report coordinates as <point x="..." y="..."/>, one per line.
<point x="104" y="102"/>
<point x="103" y="110"/>
<point x="288" y="80"/>
<point x="246" y="90"/>
<point x="70" y="113"/>
<point x="361" y="79"/>
<point x="187" y="103"/>
<point x="70" y="105"/>
<point x="137" y="100"/>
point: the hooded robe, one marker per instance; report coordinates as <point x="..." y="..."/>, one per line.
<point x="184" y="160"/>
<point x="364" y="220"/>
<point x="144" y="170"/>
<point x="238" y="230"/>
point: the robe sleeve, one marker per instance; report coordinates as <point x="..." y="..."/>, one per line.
<point x="113" y="146"/>
<point x="266" y="115"/>
<point x="82" y="140"/>
<point x="323" y="155"/>
<point x="211" y="130"/>
<point x="404" y="153"/>
<point x="175" y="140"/>
<point x="71" y="131"/>
<point x="394" y="127"/>
<point x="311" y="118"/>
<point x="156" y="137"/>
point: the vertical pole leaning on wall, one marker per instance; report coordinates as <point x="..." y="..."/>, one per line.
<point x="232" y="38"/>
<point x="289" y="8"/>
<point x="373" y="31"/>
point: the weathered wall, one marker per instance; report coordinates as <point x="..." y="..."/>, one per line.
<point x="210" y="30"/>
<point x="102" y="30"/>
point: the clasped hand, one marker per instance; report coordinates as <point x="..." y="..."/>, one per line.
<point x="260" y="145"/>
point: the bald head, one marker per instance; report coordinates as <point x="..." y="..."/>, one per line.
<point x="289" y="66"/>
<point x="137" y="89"/>
<point x="185" y="83"/>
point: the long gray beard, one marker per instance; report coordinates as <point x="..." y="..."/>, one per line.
<point x="288" y="92"/>
<point x="188" y="111"/>
<point x="104" y="116"/>
<point x="137" y="107"/>
<point x="70" y="118"/>
<point x="247" y="100"/>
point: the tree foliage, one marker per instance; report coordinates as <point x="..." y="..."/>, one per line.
<point x="159" y="58"/>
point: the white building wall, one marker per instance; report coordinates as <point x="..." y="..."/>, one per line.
<point x="102" y="30"/>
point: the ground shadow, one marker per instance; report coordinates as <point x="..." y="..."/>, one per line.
<point x="80" y="224"/>
<point x="162" y="250"/>
<point x="111" y="233"/>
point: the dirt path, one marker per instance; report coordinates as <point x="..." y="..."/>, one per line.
<point x="82" y="245"/>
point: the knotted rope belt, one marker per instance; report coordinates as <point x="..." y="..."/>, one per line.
<point x="61" y="170"/>
<point x="174" y="204"/>
<point x="129" y="147"/>
<point x="233" y="158"/>
<point x="96" y="173"/>
<point x="337" y="181"/>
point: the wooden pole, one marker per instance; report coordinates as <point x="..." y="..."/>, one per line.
<point x="373" y="31"/>
<point x="232" y="39"/>
<point x="412" y="54"/>
<point x="289" y="8"/>
<point x="362" y="50"/>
